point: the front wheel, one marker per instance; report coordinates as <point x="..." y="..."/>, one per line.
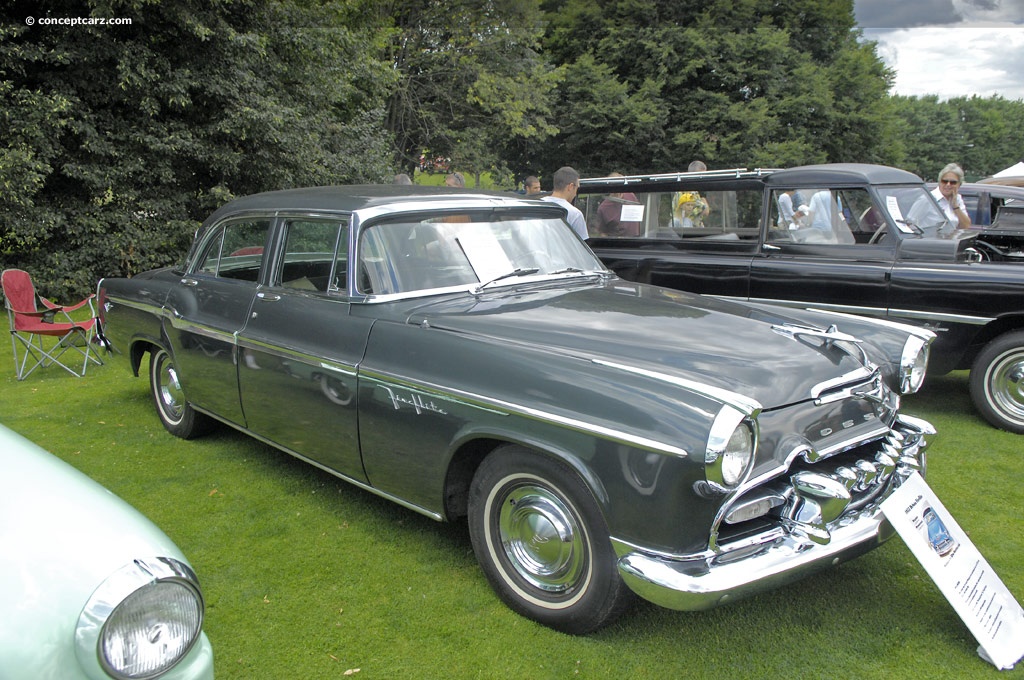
<point x="997" y="382"/>
<point x="176" y="414"/>
<point x="542" y="542"/>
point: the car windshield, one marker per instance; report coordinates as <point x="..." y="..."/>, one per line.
<point x="914" y="211"/>
<point x="467" y="249"/>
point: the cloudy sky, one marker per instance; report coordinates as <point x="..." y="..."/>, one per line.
<point x="949" y="48"/>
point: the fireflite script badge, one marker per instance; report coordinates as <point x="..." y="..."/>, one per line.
<point x="416" y="401"/>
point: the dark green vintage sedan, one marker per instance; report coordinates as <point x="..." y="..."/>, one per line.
<point x="465" y="354"/>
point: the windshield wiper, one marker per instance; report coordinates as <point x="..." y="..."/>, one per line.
<point x="913" y="226"/>
<point x="522" y="271"/>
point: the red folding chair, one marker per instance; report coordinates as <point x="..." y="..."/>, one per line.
<point x="33" y="318"/>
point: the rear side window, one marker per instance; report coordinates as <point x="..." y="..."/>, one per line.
<point x="235" y="250"/>
<point x="315" y="256"/>
<point x="672" y="215"/>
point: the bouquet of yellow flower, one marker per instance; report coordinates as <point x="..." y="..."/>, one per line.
<point x="690" y="205"/>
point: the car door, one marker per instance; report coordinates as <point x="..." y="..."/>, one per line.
<point x="209" y="306"/>
<point x="831" y="260"/>
<point x="300" y="348"/>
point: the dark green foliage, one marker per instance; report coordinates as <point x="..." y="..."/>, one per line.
<point x="982" y="135"/>
<point x="117" y="140"/>
<point x="751" y="83"/>
<point x="472" y="83"/>
<point x="123" y="138"/>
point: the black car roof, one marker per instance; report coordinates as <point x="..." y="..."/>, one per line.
<point x="345" y="199"/>
<point x="820" y="176"/>
<point x="841" y="174"/>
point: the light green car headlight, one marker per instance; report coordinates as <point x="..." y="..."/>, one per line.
<point x="141" y="621"/>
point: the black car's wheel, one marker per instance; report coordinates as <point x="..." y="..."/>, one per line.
<point x="997" y="382"/>
<point x="175" y="413"/>
<point x="542" y="542"/>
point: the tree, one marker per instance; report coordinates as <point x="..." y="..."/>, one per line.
<point x="471" y="83"/>
<point x="750" y="83"/>
<point x="126" y="136"/>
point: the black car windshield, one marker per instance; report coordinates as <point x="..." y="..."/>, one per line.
<point x="914" y="211"/>
<point x="467" y="249"/>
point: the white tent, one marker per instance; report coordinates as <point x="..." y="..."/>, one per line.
<point x="1012" y="171"/>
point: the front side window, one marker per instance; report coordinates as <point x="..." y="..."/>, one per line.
<point x="405" y="255"/>
<point x="823" y="215"/>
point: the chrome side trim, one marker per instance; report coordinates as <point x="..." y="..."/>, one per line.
<point x="740" y="402"/>
<point x="938" y="316"/>
<point x="348" y="370"/>
<point x="511" y="408"/>
<point x="875" y="312"/>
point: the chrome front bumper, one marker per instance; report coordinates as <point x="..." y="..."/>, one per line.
<point x="802" y="542"/>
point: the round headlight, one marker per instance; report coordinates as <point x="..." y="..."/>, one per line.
<point x="913" y="364"/>
<point x="142" y="620"/>
<point x="151" y="630"/>
<point x="730" y="448"/>
<point x="737" y="454"/>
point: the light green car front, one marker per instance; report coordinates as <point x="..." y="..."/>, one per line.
<point x="89" y="588"/>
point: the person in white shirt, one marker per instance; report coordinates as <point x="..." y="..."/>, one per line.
<point x="948" y="196"/>
<point x="566" y="182"/>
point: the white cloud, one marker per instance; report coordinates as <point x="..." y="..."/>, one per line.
<point x="954" y="62"/>
<point x="949" y="48"/>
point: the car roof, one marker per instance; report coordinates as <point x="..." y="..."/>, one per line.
<point x="820" y="176"/>
<point x="348" y="198"/>
<point x="840" y="174"/>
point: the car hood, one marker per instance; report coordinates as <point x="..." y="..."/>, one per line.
<point x="63" y="535"/>
<point x="669" y="333"/>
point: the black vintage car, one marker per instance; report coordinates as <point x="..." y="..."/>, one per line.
<point x="849" y="238"/>
<point x="466" y="355"/>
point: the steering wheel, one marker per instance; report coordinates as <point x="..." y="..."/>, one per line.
<point x="876" y="237"/>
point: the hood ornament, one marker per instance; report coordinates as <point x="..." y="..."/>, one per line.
<point x="830" y="337"/>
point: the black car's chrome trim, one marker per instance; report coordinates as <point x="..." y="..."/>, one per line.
<point x="873" y="313"/>
<point x="878" y="313"/>
<point x="939" y="316"/>
<point x="510" y="408"/>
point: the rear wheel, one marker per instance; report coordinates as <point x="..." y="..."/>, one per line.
<point x="542" y="542"/>
<point x="997" y="382"/>
<point x="176" y="414"/>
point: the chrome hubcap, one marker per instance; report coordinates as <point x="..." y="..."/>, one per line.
<point x="171" y="397"/>
<point x="1006" y="385"/>
<point x="542" y="538"/>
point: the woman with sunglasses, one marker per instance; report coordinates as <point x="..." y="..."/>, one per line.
<point x="948" y="195"/>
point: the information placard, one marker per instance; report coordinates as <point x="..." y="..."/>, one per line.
<point x="967" y="581"/>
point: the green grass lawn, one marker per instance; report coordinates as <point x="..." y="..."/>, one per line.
<point x="307" y="577"/>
